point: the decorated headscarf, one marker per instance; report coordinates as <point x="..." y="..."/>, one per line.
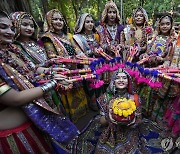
<point x="17" y="18"/>
<point x="110" y="4"/>
<point x="112" y="87"/>
<point x="144" y="13"/>
<point x="48" y="27"/>
<point x="80" y="23"/>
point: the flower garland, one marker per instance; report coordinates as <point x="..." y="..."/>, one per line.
<point x="123" y="107"/>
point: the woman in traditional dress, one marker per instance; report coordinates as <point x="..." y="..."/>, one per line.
<point x="22" y="106"/>
<point x="163" y="53"/>
<point x="119" y="128"/>
<point x="161" y="46"/>
<point x="57" y="42"/>
<point x="118" y="132"/>
<point x="86" y="40"/>
<point x="110" y="29"/>
<point x="138" y="33"/>
<point x="26" y="40"/>
<point x="26" y="37"/>
<point x="86" y="37"/>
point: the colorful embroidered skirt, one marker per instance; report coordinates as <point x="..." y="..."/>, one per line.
<point x="23" y="139"/>
<point x="75" y="103"/>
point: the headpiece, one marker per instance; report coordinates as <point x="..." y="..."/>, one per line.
<point x="17" y="18"/>
<point x="48" y="27"/>
<point x="144" y="13"/>
<point x="110" y="4"/>
<point x="112" y="87"/>
<point x="80" y="23"/>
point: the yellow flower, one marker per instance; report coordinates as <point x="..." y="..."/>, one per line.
<point x="123" y="107"/>
<point x="129" y="111"/>
<point x="125" y="113"/>
<point x="120" y="112"/>
<point x="115" y="110"/>
<point x="133" y="107"/>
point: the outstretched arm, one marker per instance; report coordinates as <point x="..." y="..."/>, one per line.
<point x="16" y="98"/>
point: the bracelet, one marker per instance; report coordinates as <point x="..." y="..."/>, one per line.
<point x="48" y="86"/>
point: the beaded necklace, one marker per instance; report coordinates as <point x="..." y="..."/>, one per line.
<point x="91" y="40"/>
<point x="112" y="31"/>
<point x="141" y="40"/>
<point x="34" y="51"/>
<point x="25" y="68"/>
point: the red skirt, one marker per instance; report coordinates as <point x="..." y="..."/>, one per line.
<point x="23" y="139"/>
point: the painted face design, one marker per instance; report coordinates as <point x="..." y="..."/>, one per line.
<point x="27" y="28"/>
<point x="121" y="80"/>
<point x="112" y="14"/>
<point x="139" y="18"/>
<point x="88" y="23"/>
<point x="57" y="22"/>
<point x="165" y="26"/>
<point x="6" y="31"/>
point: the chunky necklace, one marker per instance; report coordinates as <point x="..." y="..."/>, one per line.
<point x="91" y="41"/>
<point x="139" y="36"/>
<point x="89" y="37"/>
<point x="24" y="69"/>
<point x="35" y="51"/>
<point x="112" y="30"/>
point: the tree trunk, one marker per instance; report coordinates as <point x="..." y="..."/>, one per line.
<point x="75" y="8"/>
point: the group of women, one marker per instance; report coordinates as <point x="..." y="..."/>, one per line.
<point x="38" y="117"/>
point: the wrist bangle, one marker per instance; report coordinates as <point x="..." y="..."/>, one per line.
<point x="48" y="86"/>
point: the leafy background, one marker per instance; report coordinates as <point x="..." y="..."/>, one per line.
<point x="71" y="9"/>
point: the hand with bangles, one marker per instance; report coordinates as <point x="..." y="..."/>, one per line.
<point x="63" y="82"/>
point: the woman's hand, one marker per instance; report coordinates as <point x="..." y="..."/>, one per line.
<point x="62" y="79"/>
<point x="110" y="117"/>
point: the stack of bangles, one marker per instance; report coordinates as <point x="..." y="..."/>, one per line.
<point x="48" y="86"/>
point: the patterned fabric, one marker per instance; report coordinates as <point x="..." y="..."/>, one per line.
<point x="172" y="116"/>
<point x="105" y="36"/>
<point x="75" y="103"/>
<point x="61" y="45"/>
<point x="56" y="46"/>
<point x="32" y="51"/>
<point x="109" y="37"/>
<point x="132" y="35"/>
<point x="146" y="138"/>
<point x="53" y="122"/>
<point x="23" y="139"/>
<point x="85" y="43"/>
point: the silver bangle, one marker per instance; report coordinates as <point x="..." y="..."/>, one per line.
<point x="48" y="86"/>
